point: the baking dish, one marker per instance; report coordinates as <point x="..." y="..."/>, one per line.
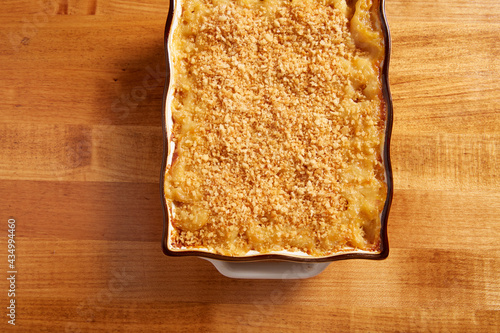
<point x="174" y="10"/>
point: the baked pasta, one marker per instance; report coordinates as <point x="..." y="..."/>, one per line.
<point x="277" y="127"/>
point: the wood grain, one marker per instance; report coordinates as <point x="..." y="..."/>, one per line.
<point x="81" y="84"/>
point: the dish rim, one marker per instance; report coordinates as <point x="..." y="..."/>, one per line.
<point x="387" y="99"/>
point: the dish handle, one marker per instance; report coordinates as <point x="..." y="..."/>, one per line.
<point x="282" y="270"/>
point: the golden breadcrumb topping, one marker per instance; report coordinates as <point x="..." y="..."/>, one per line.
<point x="278" y="127"/>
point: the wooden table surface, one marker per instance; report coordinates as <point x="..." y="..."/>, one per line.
<point x="80" y="152"/>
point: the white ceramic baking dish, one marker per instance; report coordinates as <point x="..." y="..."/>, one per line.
<point x="280" y="264"/>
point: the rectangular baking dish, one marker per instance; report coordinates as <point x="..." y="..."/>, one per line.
<point x="174" y="11"/>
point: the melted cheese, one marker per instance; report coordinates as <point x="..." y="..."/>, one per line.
<point x="278" y="126"/>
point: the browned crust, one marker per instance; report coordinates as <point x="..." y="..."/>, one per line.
<point x="341" y="205"/>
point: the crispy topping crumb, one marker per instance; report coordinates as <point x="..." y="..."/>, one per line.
<point x="278" y="125"/>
